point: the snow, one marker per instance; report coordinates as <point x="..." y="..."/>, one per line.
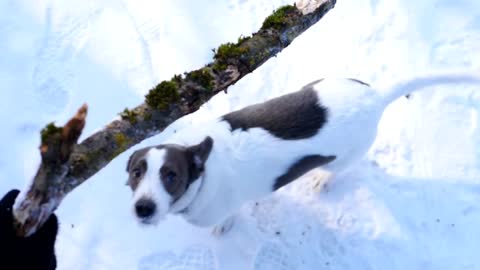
<point x="411" y="204"/>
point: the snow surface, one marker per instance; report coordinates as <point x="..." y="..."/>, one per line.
<point x="411" y="204"/>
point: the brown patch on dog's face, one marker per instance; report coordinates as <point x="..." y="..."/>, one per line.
<point x="137" y="167"/>
<point x="174" y="173"/>
<point x="182" y="166"/>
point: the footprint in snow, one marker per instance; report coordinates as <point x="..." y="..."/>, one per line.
<point x="193" y="258"/>
<point x="272" y="256"/>
<point x="50" y="95"/>
<point x="54" y="72"/>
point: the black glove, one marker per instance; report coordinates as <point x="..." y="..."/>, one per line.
<point x="35" y="252"/>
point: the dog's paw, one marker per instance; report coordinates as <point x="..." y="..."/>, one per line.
<point x="272" y="256"/>
<point x="223" y="228"/>
<point x="192" y="258"/>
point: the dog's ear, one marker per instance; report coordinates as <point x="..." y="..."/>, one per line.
<point x="129" y="164"/>
<point x="130" y="161"/>
<point x="199" y="154"/>
<point x="132" y="158"/>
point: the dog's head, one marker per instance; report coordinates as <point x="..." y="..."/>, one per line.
<point x="160" y="175"/>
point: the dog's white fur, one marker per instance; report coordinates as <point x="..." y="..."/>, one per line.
<point x="244" y="165"/>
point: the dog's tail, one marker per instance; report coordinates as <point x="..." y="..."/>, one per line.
<point x="408" y="86"/>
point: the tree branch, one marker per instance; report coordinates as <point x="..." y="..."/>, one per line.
<point x="66" y="164"/>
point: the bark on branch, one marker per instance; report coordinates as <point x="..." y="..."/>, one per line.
<point x="66" y="164"/>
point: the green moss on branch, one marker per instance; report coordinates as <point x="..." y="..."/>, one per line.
<point x="122" y="143"/>
<point x="129" y="115"/>
<point x="243" y="39"/>
<point x="202" y="77"/>
<point x="227" y="52"/>
<point x="49" y="131"/>
<point x="279" y="17"/>
<point x="163" y="95"/>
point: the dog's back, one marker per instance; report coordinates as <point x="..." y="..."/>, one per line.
<point x="329" y="118"/>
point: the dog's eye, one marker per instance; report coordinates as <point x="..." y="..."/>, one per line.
<point x="136" y="173"/>
<point x="170" y="177"/>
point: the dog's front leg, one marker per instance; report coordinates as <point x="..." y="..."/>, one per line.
<point x="224" y="227"/>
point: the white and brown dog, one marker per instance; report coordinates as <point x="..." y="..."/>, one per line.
<point x="205" y="173"/>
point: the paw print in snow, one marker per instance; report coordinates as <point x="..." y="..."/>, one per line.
<point x="193" y="258"/>
<point x="50" y="95"/>
<point x="272" y="256"/>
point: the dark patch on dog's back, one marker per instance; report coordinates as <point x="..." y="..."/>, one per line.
<point x="300" y="167"/>
<point x="360" y="82"/>
<point x="293" y="116"/>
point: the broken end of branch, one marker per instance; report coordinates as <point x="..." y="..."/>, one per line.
<point x="309" y="6"/>
<point x="37" y="203"/>
<point x="71" y="132"/>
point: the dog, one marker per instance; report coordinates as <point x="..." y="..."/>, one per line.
<point x="206" y="172"/>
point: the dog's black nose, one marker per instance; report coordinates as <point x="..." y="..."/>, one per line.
<point x="145" y="208"/>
